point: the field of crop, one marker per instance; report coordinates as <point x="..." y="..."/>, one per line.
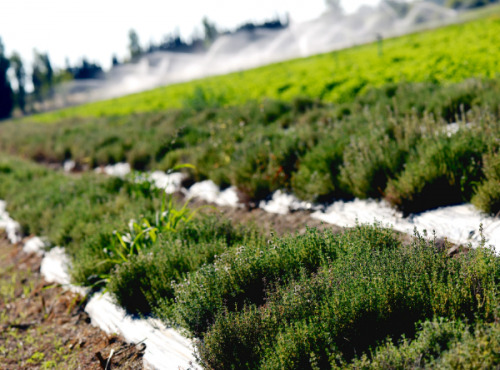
<point x="417" y="126"/>
<point x="392" y="142"/>
<point x="449" y="54"/>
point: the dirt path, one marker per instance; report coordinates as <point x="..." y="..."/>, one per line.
<point x="295" y="222"/>
<point x="44" y="326"/>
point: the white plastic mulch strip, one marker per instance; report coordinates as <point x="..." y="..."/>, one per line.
<point x="117" y="169"/>
<point x="170" y="182"/>
<point x="459" y="224"/>
<point x="11" y="227"/>
<point x="210" y="192"/>
<point x="282" y="203"/>
<point x="165" y="347"/>
<point x="35" y="245"/>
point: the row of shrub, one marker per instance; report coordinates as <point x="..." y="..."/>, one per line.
<point x="361" y="298"/>
<point x="331" y="304"/>
<point x="395" y="142"/>
<point x="91" y="216"/>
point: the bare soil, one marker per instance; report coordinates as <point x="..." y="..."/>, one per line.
<point x="292" y="223"/>
<point x="44" y="326"/>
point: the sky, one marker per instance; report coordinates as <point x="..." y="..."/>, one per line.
<point x="97" y="29"/>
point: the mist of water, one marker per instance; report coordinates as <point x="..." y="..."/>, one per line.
<point x="245" y="49"/>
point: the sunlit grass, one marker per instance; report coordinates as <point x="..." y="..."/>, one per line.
<point x="446" y="55"/>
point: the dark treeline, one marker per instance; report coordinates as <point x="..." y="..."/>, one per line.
<point x="463" y="4"/>
<point x="175" y="43"/>
<point x="6" y="93"/>
<point x="468" y="4"/>
<point x="86" y="69"/>
<point x="43" y="77"/>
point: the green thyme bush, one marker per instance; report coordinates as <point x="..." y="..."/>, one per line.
<point x="438" y="344"/>
<point x="318" y="172"/>
<point x="352" y="303"/>
<point x="267" y="162"/>
<point x="487" y="196"/>
<point x="147" y="278"/>
<point x="241" y="276"/>
<point x="444" y="172"/>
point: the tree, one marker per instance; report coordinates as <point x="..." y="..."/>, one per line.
<point x="210" y="31"/>
<point x="20" y="74"/>
<point x="86" y="70"/>
<point x="6" y="95"/>
<point x="49" y="72"/>
<point x="37" y="76"/>
<point x="399" y="6"/>
<point x="134" y="46"/>
<point x="42" y="75"/>
<point x="468" y="4"/>
<point x="333" y="4"/>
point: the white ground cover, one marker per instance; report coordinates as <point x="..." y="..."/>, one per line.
<point x="117" y="169"/>
<point x="210" y="192"/>
<point x="11" y="227"/>
<point x="459" y="224"/>
<point x="282" y="203"/>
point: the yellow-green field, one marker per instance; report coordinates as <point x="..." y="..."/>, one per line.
<point x="449" y="54"/>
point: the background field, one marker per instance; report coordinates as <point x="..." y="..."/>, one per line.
<point x="449" y="54"/>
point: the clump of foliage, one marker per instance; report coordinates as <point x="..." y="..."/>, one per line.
<point x="439" y="343"/>
<point x="147" y="277"/>
<point x="487" y="196"/>
<point x="363" y="287"/>
<point x="241" y="276"/>
<point x="443" y="172"/>
<point x="316" y="178"/>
